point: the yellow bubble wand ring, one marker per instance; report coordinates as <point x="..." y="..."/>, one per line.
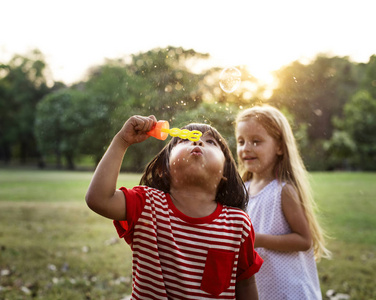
<point x="162" y="129"/>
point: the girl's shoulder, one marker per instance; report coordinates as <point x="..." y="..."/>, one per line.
<point x="289" y="190"/>
<point x="145" y="188"/>
<point x="235" y="212"/>
<point x="289" y="195"/>
<point x="145" y="192"/>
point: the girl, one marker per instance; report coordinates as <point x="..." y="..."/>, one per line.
<point x="189" y="236"/>
<point x="288" y="236"/>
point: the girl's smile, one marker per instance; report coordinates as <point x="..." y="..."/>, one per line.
<point x="248" y="158"/>
<point x="256" y="148"/>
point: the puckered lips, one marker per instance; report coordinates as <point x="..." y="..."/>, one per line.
<point x="197" y="151"/>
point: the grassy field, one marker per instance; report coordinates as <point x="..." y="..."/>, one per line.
<point x="53" y="247"/>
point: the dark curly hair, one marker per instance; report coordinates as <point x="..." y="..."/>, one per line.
<point x="231" y="190"/>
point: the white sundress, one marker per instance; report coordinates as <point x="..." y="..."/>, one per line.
<point x="283" y="275"/>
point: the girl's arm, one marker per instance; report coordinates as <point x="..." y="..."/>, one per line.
<point x="246" y="289"/>
<point x="300" y="237"/>
<point x="102" y="195"/>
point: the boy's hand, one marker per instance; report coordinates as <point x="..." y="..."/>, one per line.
<point x="135" y="129"/>
<point x="102" y="195"/>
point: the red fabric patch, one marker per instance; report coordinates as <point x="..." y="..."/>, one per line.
<point x="217" y="273"/>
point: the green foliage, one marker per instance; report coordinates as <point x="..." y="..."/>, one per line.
<point x="156" y="82"/>
<point x="22" y="85"/>
<point x="369" y="81"/>
<point x="315" y="92"/>
<point x="354" y="144"/>
<point x="360" y="122"/>
<point x="59" y="123"/>
<point x="166" y="82"/>
<point x="173" y="85"/>
<point x="340" y="150"/>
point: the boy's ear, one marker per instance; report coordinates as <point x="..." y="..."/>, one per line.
<point x="159" y="172"/>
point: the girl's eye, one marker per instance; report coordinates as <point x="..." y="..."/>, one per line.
<point x="255" y="143"/>
<point x="211" y="142"/>
<point x="181" y="141"/>
<point x="240" y="142"/>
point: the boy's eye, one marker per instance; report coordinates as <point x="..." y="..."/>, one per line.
<point x="241" y="142"/>
<point x="182" y="141"/>
<point x="255" y="143"/>
<point x="210" y="141"/>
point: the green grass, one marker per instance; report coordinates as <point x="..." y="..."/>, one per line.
<point x="347" y="209"/>
<point x="50" y="186"/>
<point x="53" y="247"/>
<point x="348" y="201"/>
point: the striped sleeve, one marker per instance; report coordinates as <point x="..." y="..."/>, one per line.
<point x="249" y="260"/>
<point x="135" y="201"/>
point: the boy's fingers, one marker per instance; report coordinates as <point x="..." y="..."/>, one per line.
<point x="151" y="121"/>
<point x="144" y="124"/>
<point x="153" y="118"/>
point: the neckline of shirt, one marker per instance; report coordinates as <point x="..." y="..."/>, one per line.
<point x="192" y="220"/>
<point x="261" y="191"/>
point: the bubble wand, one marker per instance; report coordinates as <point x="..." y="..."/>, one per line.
<point x="162" y="129"/>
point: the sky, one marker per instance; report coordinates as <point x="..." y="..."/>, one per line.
<point x="264" y="35"/>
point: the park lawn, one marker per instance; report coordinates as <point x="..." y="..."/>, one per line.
<point x="347" y="209"/>
<point x="53" y="247"/>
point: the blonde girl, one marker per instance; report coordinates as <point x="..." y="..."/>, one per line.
<point x="281" y="206"/>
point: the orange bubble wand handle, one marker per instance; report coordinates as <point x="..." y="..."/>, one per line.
<point x="159" y="130"/>
<point x="162" y="129"/>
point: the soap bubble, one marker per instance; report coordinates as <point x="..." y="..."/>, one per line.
<point x="229" y="79"/>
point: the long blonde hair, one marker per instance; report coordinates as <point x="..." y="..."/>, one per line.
<point x="289" y="167"/>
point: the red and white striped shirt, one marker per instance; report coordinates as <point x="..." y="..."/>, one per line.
<point x="179" y="257"/>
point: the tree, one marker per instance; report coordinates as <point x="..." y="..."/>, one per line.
<point x="117" y="93"/>
<point x="353" y="143"/>
<point x="157" y="82"/>
<point x="170" y="87"/>
<point x="173" y="85"/>
<point x="314" y="94"/>
<point x="22" y="85"/>
<point x="369" y="79"/>
<point x="340" y="150"/>
<point x="359" y="122"/>
<point x="59" y="124"/>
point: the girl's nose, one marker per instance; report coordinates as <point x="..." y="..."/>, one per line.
<point x="197" y="143"/>
<point x="248" y="146"/>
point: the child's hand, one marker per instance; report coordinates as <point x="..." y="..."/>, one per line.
<point x="135" y="129"/>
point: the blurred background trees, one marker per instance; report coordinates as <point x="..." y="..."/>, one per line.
<point x="22" y="85"/>
<point x="330" y="102"/>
